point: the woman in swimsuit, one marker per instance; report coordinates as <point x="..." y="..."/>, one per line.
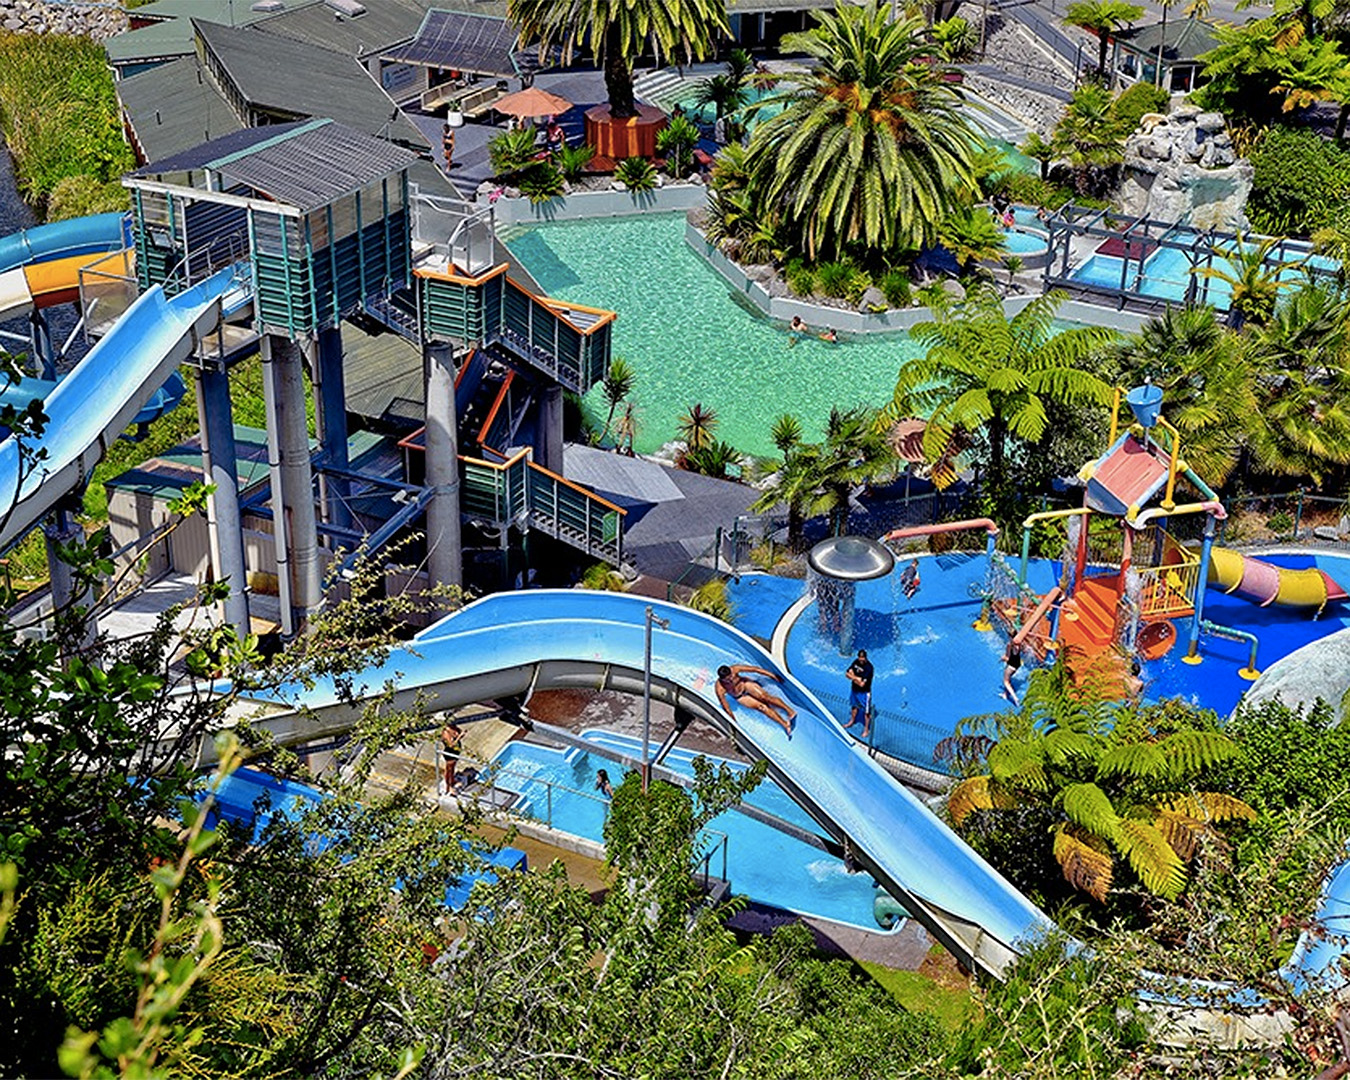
<point x="731" y="683"/>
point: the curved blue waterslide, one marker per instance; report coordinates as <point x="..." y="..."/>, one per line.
<point x="514" y="643"/>
<point x="63" y="239"/>
<point x="104" y="394"/>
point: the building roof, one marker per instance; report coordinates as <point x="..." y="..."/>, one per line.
<point x="171" y="35"/>
<point x="173" y="106"/>
<point x="279" y="75"/>
<point x="1185" y="39"/>
<point x="306" y="165"/>
<point x="484" y="44"/>
<point x="385" y="23"/>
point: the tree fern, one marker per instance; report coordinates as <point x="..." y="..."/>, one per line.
<point x="1088" y="806"/>
<point x="1188" y="752"/>
<point x="1152" y="858"/>
<point x="1139" y="761"/>
<point x="967" y="796"/>
<point x="1084" y="860"/>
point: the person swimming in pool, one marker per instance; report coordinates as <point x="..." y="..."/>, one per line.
<point x="731" y="683"/>
<point x="795" y="328"/>
<point x="830" y="335"/>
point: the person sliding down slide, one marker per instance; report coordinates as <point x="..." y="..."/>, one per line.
<point x="732" y="683"/>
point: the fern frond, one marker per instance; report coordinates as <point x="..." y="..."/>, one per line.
<point x="1084" y="861"/>
<point x="1061" y="744"/>
<point x="1181" y="831"/>
<point x="1209" y="806"/>
<point x="1088" y="806"/>
<point x="1019" y="764"/>
<point x="1151" y="857"/>
<point x="967" y="796"/>
<point x="1188" y="752"/>
<point x="1141" y="761"/>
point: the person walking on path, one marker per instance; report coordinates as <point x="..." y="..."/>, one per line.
<point x="731" y="683"/>
<point x="448" y="147"/>
<point x="860" y="674"/>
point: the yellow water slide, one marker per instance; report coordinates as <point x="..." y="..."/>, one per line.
<point x="1264" y="583"/>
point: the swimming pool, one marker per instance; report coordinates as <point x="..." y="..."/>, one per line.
<point x="690" y="341"/>
<point x="1019" y="241"/>
<point x="934" y="669"/>
<point x="762" y="863"/>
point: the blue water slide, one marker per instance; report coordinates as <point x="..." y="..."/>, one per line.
<point x="514" y="643"/>
<point x="61" y="239"/>
<point x="104" y="394"/>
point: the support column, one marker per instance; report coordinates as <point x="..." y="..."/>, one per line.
<point x="445" y="557"/>
<point x="224" y="525"/>
<point x="58" y="530"/>
<point x="330" y="415"/>
<point x="293" y="517"/>
<point x="40" y="334"/>
<point x="1202" y="575"/>
<point x="548" y="449"/>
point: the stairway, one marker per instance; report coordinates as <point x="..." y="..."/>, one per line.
<point x="1087" y="634"/>
<point x="661" y="88"/>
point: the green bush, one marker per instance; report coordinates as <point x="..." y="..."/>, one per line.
<point x="636" y="174"/>
<point x="801" y="279"/>
<point x="894" y="286"/>
<point x="834" y="279"/>
<point x="1301" y="183"/>
<point x="512" y="151"/>
<point x="80" y="196"/>
<point x="1134" y="103"/>
<point x="677" y="141"/>
<point x="572" y="161"/>
<point x="58" y="112"/>
<point x="541" y="182"/>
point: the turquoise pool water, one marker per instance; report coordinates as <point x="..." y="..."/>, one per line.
<point x="1019" y="242"/>
<point x="762" y="863"/>
<point x="917" y="647"/>
<point x="689" y="341"/>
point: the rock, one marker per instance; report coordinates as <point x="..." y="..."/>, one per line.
<point x="511" y="192"/>
<point x="953" y="288"/>
<point x="1149" y="121"/>
<point x="1183" y="168"/>
<point x="1210" y="122"/>
<point x="1184" y="114"/>
<point x="618" y="185"/>
<point x="487" y="187"/>
<point x="872" y="300"/>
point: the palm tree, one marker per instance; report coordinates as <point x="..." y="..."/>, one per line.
<point x="615" y="34"/>
<point x="1254" y="282"/>
<point x="617" y="385"/>
<point x="625" y="431"/>
<point x="1088" y="135"/>
<point x="786" y="433"/>
<point x="972" y="236"/>
<point x="722" y="92"/>
<point x="793" y="486"/>
<point x="987" y="373"/>
<point x="1034" y="146"/>
<point x="697" y="426"/>
<point x="1102" y="18"/>
<point x="1302" y="362"/>
<point x="713" y="458"/>
<point x="1119" y="784"/>
<point x="1207" y="383"/>
<point x="870" y="147"/>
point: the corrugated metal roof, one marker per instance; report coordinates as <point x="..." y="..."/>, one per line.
<point x="290" y="77"/>
<point x="484" y="44"/>
<point x="385" y="23"/>
<point x="173" y="35"/>
<point x="174" y="106"/>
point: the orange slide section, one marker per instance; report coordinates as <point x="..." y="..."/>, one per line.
<point x="58" y="281"/>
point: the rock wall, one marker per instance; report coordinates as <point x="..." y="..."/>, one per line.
<point x="1182" y="167"/>
<point x="1038" y="111"/>
<point x="87" y="18"/>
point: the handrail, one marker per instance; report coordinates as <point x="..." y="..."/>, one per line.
<point x="1032" y="519"/>
<point x="578" y="488"/>
<point x="502" y="467"/>
<point x="502" y="392"/>
<point x="547" y="302"/>
<point x="1039" y="613"/>
<point x="1210" y="506"/>
<point x="910" y="531"/>
<point x="1250" y="671"/>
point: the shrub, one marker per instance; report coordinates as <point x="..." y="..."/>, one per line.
<point x="834" y="279"/>
<point x="894" y="287"/>
<point x="677" y="141"/>
<point x="801" y="279"/>
<point x="1134" y="103"/>
<point x="957" y="39"/>
<point x="512" y="151"/>
<point x="636" y="174"/>
<point x="1301" y="183"/>
<point x="572" y="161"/>
<point x="80" y="196"/>
<point x="711" y="598"/>
<point x="540" y="182"/>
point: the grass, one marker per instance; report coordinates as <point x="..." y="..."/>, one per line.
<point x="950" y="1005"/>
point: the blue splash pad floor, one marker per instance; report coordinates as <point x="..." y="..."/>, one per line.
<point x="933" y="669"/>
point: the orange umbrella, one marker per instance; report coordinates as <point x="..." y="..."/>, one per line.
<point x="532" y="102"/>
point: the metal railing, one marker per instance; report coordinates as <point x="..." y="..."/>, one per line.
<point x="1291" y="517"/>
<point x="1169" y="588"/>
<point x="464" y="232"/>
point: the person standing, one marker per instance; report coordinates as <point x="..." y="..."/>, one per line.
<point x="451" y="735"/>
<point x="448" y="147"/>
<point x="860" y="674"/>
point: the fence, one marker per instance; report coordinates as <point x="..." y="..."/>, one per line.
<point x="1294" y="517"/>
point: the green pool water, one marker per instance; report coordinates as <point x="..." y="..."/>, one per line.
<point x="690" y="341"/>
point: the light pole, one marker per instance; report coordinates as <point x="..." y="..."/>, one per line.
<point x="664" y="624"/>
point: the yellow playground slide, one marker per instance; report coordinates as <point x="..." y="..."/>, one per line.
<point x="1265" y="583"/>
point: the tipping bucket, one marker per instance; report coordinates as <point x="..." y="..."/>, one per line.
<point x="1146" y="403"/>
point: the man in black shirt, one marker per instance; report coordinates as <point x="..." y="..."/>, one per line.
<point x="860" y="696"/>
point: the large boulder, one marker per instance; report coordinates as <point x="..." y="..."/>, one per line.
<point x="1182" y="167"/>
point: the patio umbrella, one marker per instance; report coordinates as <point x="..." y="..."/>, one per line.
<point x="532" y="102"/>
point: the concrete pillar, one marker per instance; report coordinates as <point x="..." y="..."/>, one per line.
<point x="58" y="530"/>
<point x="548" y="450"/>
<point x="216" y="419"/>
<point x="445" y="558"/>
<point x="330" y="415"/>
<point x="293" y="518"/>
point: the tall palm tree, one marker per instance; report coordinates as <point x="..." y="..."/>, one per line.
<point x="1253" y="279"/>
<point x="1302" y="361"/>
<point x="1102" y="18"/>
<point x="1207" y="382"/>
<point x="617" y="385"/>
<point x="870" y="147"/>
<point x="985" y="373"/>
<point x="616" y="33"/>
<point x="1089" y="135"/>
<point x="1118" y="783"/>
